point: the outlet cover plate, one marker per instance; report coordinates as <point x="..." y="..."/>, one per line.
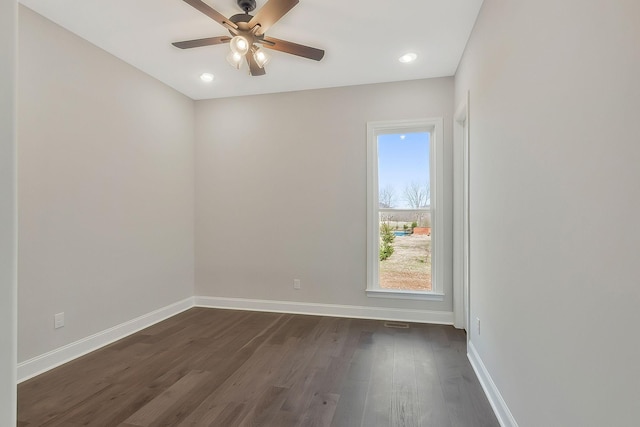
<point x="58" y="320"/>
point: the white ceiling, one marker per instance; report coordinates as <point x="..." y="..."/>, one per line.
<point x="362" y="40"/>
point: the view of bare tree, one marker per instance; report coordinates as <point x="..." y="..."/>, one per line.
<point x="387" y="197"/>
<point x="417" y="195"/>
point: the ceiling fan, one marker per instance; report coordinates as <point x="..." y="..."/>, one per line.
<point x="248" y="34"/>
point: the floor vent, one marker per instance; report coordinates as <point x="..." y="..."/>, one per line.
<point x="397" y="325"/>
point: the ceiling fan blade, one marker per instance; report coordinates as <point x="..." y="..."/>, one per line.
<point x="211" y="13"/>
<point x="270" y="13"/>
<point x="254" y="68"/>
<point x="209" y="41"/>
<point x="293" y="48"/>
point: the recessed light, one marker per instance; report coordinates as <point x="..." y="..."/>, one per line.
<point x="206" y="77"/>
<point x="408" y="57"/>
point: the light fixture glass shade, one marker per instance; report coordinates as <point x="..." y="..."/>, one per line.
<point x="261" y="57"/>
<point x="239" y="45"/>
<point x="234" y="59"/>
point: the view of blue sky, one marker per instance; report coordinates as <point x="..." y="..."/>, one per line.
<point x="403" y="159"/>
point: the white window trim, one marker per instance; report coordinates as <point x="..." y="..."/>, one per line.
<point x="435" y="127"/>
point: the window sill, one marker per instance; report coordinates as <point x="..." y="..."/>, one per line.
<point x="398" y="294"/>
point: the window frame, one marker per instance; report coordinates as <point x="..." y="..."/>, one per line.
<point x="434" y="126"/>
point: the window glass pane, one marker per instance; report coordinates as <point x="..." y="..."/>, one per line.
<point x="405" y="235"/>
<point x="405" y="251"/>
<point x="403" y="170"/>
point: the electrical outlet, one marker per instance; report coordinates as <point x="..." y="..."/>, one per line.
<point x="58" y="320"/>
<point x="478" y="325"/>
<point x="296" y="283"/>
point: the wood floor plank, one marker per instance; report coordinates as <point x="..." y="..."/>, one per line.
<point x="457" y="379"/>
<point x="204" y="414"/>
<point x="207" y="367"/>
<point x="321" y="410"/>
<point x="58" y="397"/>
<point x="153" y="410"/>
<point x="350" y="408"/>
<point x="377" y="411"/>
<point x="266" y="407"/>
<point x="230" y="415"/>
<point x="122" y="401"/>
<point x="302" y="392"/>
<point x="431" y="402"/>
<point x="405" y="410"/>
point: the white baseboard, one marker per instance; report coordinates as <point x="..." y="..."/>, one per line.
<point x="40" y="364"/>
<point x="354" y="311"/>
<point x="505" y="418"/>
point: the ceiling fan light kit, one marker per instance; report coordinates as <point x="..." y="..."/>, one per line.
<point x="261" y="56"/>
<point x="239" y="45"/>
<point x="234" y="59"/>
<point x="248" y="34"/>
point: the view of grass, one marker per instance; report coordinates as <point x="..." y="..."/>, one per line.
<point x="409" y="267"/>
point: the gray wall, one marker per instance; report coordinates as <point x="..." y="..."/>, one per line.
<point x="105" y="189"/>
<point x="555" y="101"/>
<point x="281" y="191"/>
<point x="8" y="25"/>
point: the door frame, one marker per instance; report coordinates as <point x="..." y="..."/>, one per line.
<point x="462" y="239"/>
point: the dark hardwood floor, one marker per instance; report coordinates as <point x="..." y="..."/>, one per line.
<point x="207" y="367"/>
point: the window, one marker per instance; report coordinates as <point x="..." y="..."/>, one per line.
<point x="404" y="214"/>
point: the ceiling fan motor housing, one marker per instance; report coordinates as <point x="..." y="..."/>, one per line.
<point x="247" y="5"/>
